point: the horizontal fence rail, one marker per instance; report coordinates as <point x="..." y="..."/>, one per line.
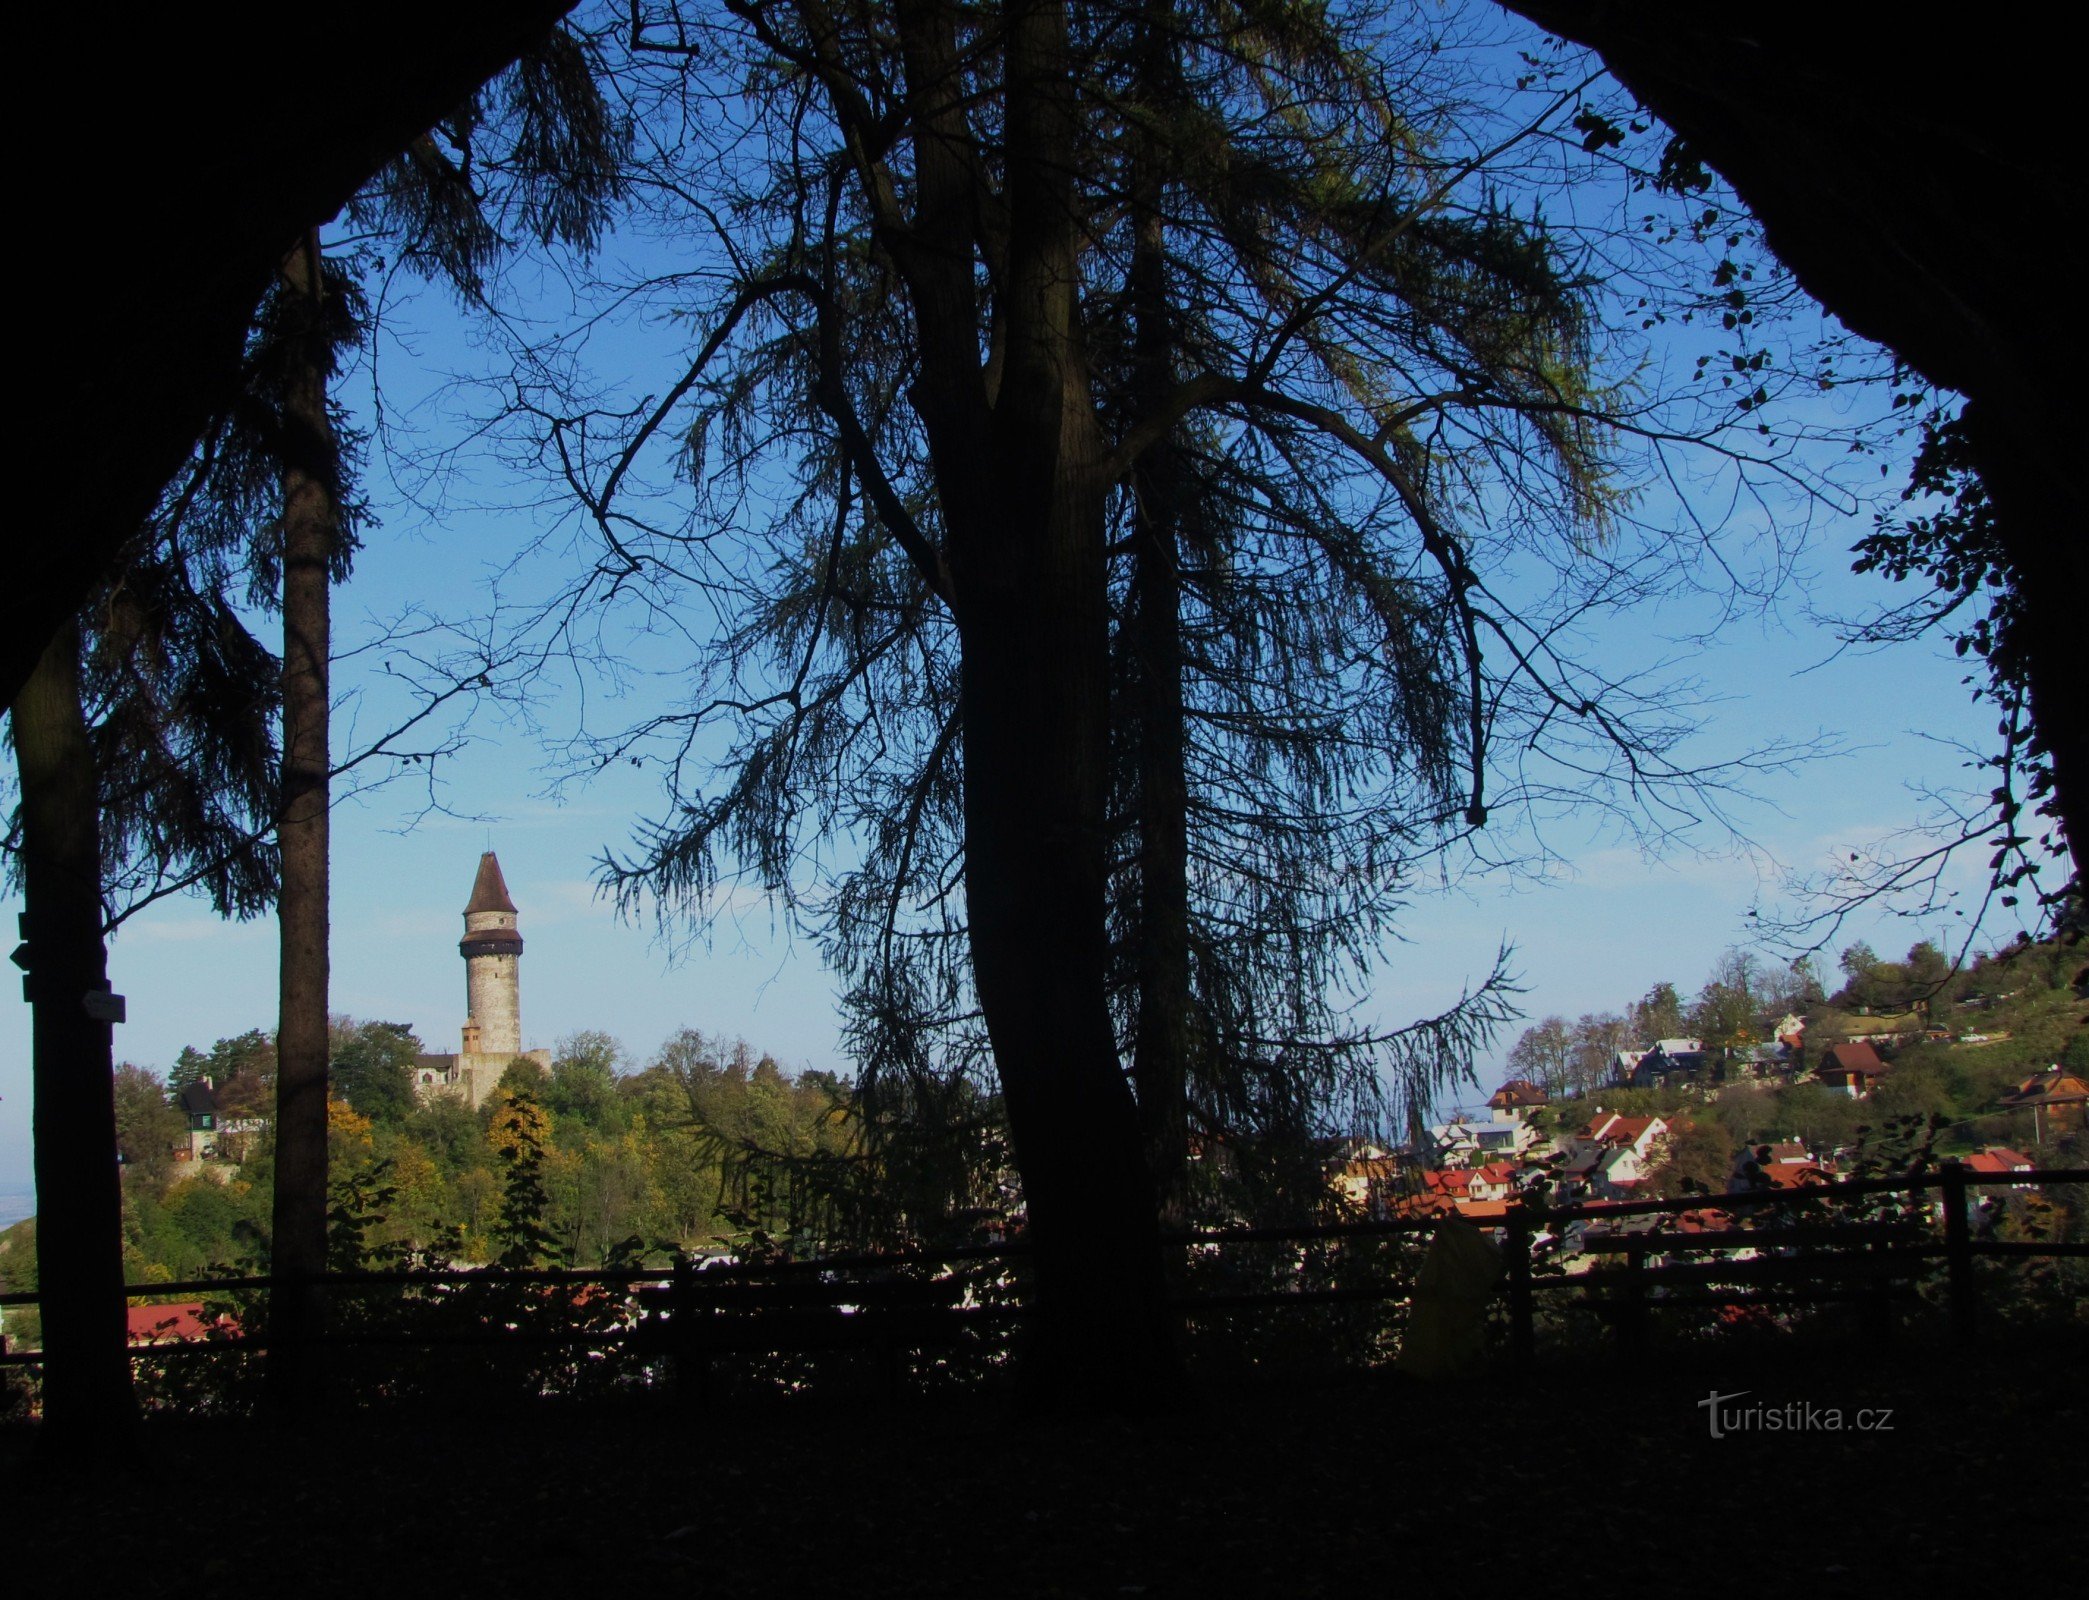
<point x="836" y="1297"/>
<point x="1880" y="1258"/>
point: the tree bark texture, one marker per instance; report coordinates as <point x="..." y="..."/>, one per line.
<point x="79" y="1222"/>
<point x="189" y="153"/>
<point x="1026" y="523"/>
<point x="311" y="524"/>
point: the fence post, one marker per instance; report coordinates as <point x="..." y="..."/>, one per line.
<point x="681" y="1315"/>
<point x="1522" y="1331"/>
<point x="1958" y="1251"/>
<point x="1632" y="1311"/>
<point x="1875" y="1309"/>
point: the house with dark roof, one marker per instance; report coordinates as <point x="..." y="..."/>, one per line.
<point x="198" y="1104"/>
<point x="1670" y="1061"/>
<point x="1517" y="1095"/>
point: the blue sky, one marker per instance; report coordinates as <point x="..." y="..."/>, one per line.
<point x="1607" y="923"/>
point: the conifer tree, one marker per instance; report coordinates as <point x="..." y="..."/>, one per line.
<point x="1124" y="360"/>
<point x="143" y="751"/>
<point x="87" y="1378"/>
<point x="312" y="322"/>
<point x="145" y="763"/>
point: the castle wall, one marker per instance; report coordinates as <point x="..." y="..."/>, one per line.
<point x="493" y="1001"/>
<point x="470" y="1075"/>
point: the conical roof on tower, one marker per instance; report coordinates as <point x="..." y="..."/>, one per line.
<point x="489" y="891"/>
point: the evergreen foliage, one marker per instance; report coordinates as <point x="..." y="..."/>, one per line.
<point x="1338" y="388"/>
<point x="520" y="1231"/>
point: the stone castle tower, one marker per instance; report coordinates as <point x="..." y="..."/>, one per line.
<point x="492" y="951"/>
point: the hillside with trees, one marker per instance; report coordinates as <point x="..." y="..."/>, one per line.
<point x="1958" y="1041"/>
<point x="704" y="1146"/>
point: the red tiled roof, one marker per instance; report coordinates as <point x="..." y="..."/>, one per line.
<point x="176" y="1323"/>
<point x="1854" y="1056"/>
<point x="1996" y="1158"/>
<point x="1610" y="1128"/>
<point x="1787" y="1150"/>
<point x="1709" y="1219"/>
<point x="2051" y="1087"/>
<point x="1793" y="1174"/>
<point x="1422" y="1205"/>
<point x="1518" y="1092"/>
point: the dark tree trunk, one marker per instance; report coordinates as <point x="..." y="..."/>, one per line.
<point x="79" y="1216"/>
<point x="1165" y="1028"/>
<point x="1034" y="892"/>
<point x="1032" y="601"/>
<point x="311" y="531"/>
<point x="1164" y="1031"/>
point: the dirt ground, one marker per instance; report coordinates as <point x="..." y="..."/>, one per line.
<point x="1586" y="1478"/>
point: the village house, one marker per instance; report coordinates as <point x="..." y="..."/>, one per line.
<point x="1495" y="1181"/>
<point x="1516" y="1097"/>
<point x="1366" y="1182"/>
<point x="1640" y="1134"/>
<point x="1447" y="1183"/>
<point x="198" y="1103"/>
<point x="1888" y="1030"/>
<point x="2056" y="1099"/>
<point x="1610" y="1156"/>
<point x="211" y="1134"/>
<point x="1482" y="1195"/>
<point x="179" y="1322"/>
<point x="1667" y="1061"/>
<point x="1852" y="1068"/>
<point x="1753" y="1162"/>
<point x="1787" y="1175"/>
<point x="1621" y="1171"/>
<point x="1762" y="1061"/>
<point x="1999" y="1161"/>
<point x="1461" y="1142"/>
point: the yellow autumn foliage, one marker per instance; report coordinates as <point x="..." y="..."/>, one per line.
<point x="343" y="1121"/>
<point x="511" y="1115"/>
